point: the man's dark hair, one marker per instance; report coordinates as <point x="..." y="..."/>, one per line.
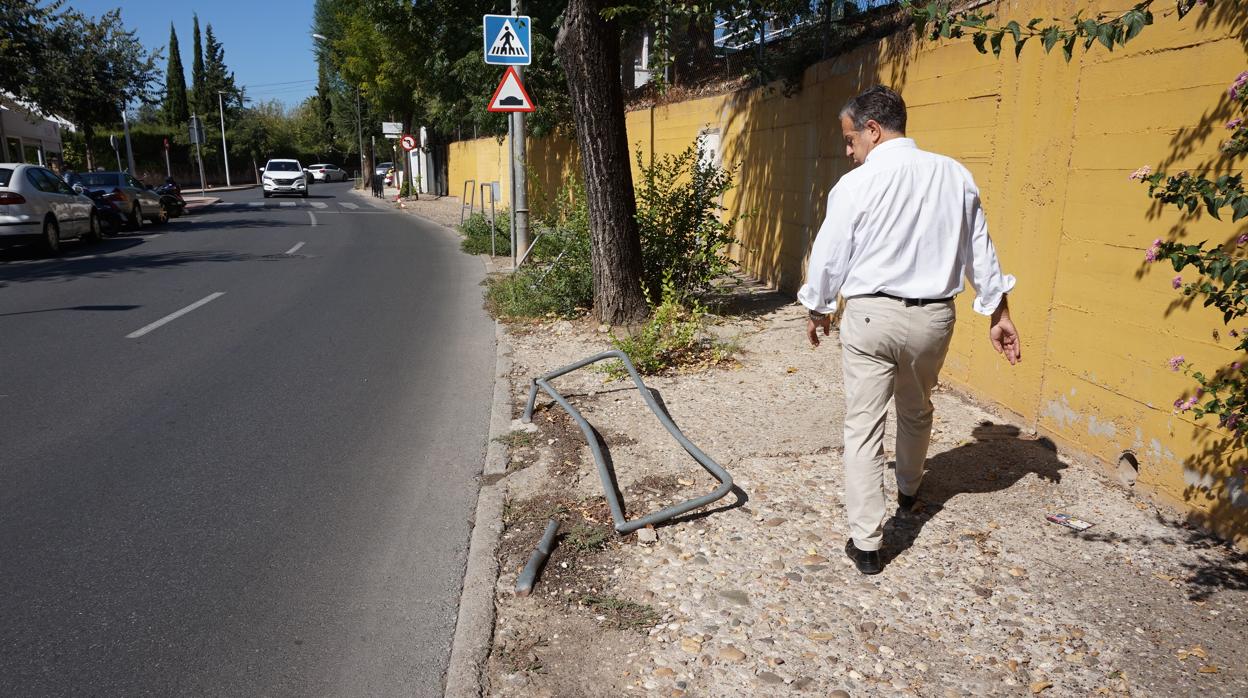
<point x="878" y="104"/>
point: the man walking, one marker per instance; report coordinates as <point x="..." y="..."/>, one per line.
<point x="902" y="230"/>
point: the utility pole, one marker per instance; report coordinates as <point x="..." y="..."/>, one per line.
<point x="520" y="204"/>
<point x="224" y="151"/>
<point x="359" y="133"/>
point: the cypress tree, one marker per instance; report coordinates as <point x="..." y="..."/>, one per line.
<point x="176" y="109"/>
<point x="197" y="72"/>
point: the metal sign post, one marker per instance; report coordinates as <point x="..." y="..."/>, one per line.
<point x="408" y="141"/>
<point x="168" y="167"/>
<point x="509" y="41"/>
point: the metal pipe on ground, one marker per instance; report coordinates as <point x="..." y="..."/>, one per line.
<point x="622" y="524"/>
<point x="537" y="560"/>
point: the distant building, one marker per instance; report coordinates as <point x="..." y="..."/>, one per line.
<point x="28" y="136"/>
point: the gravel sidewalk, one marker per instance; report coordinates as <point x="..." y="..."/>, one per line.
<point x="981" y="595"/>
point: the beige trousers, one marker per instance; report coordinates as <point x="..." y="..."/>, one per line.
<point x="890" y="350"/>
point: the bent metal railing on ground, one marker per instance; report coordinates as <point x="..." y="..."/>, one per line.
<point x="623" y="525"/>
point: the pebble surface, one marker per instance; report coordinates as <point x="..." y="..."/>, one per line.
<point x="980" y="596"/>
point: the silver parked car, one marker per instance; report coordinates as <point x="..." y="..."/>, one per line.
<point x="137" y="201"/>
<point x="36" y="204"/>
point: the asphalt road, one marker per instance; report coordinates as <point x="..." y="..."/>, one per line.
<point x="268" y="494"/>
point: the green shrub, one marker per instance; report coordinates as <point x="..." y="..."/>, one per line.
<point x="476" y="232"/>
<point x="556" y="277"/>
<point x="683" y="238"/>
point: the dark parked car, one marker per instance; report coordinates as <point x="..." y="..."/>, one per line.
<point x="136" y="200"/>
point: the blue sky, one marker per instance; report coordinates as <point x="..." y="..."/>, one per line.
<point x="266" y="41"/>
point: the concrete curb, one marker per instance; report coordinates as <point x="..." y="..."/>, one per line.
<point x="195" y="203"/>
<point x="474" y="627"/>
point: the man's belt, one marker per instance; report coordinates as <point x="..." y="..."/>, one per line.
<point x="910" y="301"/>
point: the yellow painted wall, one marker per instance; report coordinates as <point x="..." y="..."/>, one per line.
<point x="1051" y="145"/>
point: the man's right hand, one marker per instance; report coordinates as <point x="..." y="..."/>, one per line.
<point x="1004" y="336"/>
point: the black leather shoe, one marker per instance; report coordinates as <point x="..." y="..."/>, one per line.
<point x="867" y="561"/>
<point x="906" y="502"/>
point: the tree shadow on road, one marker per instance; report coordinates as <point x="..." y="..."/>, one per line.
<point x="108" y="266"/>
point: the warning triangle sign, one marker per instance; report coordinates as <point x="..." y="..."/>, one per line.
<point x="507" y="42"/>
<point x="511" y="95"/>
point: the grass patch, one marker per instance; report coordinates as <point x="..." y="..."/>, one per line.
<point x="621" y="613"/>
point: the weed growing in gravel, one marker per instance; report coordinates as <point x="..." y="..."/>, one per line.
<point x="673" y="337"/>
<point x="517" y="439"/>
<point x="621" y="613"/>
<point x="584" y="538"/>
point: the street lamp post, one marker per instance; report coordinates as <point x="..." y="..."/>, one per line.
<point x="224" y="150"/>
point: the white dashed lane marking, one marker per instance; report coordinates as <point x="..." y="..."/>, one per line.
<point x="175" y="315"/>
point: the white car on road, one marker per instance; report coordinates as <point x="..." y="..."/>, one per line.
<point x="285" y="177"/>
<point x="36" y="204"/>
<point x="325" y="172"/>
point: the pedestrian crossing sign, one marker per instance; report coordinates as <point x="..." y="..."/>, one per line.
<point x="508" y="40"/>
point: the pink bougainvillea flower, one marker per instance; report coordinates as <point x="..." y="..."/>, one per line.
<point x="1235" y="366"/>
<point x="1176" y="281"/>
<point x="1175" y="362"/>
<point x="1141" y="173"/>
<point x="1234" y="123"/>
<point x="1153" y="252"/>
<point x="1240" y="81"/>
<point x="1242" y="239"/>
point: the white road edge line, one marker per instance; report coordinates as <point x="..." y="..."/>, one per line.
<point x="294" y="249"/>
<point x="174" y="316"/>
<point x="312" y="216"/>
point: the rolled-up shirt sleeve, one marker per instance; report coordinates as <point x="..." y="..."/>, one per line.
<point x="829" y="257"/>
<point x="983" y="269"/>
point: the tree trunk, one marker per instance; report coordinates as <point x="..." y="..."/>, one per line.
<point x="589" y="49"/>
<point x="88" y="134"/>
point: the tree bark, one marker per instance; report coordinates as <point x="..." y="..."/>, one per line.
<point x="88" y="134"/>
<point x="589" y="49"/>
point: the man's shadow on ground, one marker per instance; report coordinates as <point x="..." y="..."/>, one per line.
<point x="994" y="462"/>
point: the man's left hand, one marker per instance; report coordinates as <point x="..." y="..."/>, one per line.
<point x="812" y="328"/>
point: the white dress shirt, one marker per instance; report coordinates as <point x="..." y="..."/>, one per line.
<point x="907" y="223"/>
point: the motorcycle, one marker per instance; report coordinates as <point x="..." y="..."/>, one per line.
<point x="110" y="218"/>
<point x="171" y="198"/>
